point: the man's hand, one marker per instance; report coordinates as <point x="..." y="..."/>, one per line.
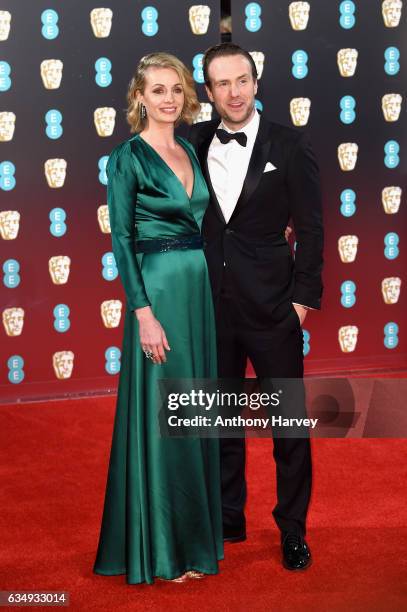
<point x="288" y="232"/>
<point x="301" y="312"/>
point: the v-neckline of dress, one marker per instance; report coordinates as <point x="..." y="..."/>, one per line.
<point x="169" y="167"/>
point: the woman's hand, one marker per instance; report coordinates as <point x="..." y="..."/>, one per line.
<point x="152" y="335"/>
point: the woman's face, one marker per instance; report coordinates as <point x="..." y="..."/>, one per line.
<point x="163" y="95"/>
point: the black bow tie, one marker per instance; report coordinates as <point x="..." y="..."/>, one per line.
<point x="226" y="137"/>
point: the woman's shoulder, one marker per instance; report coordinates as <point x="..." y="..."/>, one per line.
<point x="121" y="154"/>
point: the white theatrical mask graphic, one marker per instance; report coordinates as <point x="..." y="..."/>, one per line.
<point x="348" y="337"/>
<point x="9" y="224"/>
<point x="13" y="321"/>
<point x="348" y="248"/>
<point x="62" y="362"/>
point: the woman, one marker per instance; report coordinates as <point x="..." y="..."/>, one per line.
<point x="162" y="513"/>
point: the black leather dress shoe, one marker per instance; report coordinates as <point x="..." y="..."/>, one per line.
<point x="234" y="534"/>
<point x="296" y="554"/>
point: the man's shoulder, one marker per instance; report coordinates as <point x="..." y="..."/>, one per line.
<point x="287" y="134"/>
<point x="198" y="131"/>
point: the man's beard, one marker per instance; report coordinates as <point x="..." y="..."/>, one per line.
<point x="241" y="120"/>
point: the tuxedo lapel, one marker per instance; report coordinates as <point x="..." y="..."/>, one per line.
<point x="257" y="163"/>
<point x="203" y="158"/>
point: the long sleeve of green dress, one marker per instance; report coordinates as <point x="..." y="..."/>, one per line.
<point x="121" y="200"/>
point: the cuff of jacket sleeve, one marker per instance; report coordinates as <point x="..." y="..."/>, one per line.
<point x="303" y="306"/>
<point x="307" y="298"/>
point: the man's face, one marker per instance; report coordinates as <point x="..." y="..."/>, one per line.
<point x="232" y="89"/>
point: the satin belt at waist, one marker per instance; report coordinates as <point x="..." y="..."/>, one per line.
<point x="161" y="245"/>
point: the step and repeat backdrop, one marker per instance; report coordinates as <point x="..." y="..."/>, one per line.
<point x="333" y="68"/>
<point x="64" y="71"/>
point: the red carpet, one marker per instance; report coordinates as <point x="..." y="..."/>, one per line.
<point x="53" y="472"/>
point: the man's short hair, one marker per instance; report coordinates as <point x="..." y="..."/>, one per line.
<point x="223" y="50"/>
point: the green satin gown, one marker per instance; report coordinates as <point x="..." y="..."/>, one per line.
<point x="162" y="511"/>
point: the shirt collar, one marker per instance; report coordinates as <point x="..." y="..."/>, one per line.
<point x="250" y="129"/>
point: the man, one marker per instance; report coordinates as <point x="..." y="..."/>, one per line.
<point x="260" y="174"/>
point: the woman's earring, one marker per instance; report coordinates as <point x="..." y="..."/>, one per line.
<point x="143" y="111"/>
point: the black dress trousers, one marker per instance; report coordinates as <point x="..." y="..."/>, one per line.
<point x="275" y="352"/>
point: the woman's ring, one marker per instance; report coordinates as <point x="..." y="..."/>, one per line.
<point x="148" y="354"/>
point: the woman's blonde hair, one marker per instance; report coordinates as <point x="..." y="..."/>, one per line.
<point x="160" y="60"/>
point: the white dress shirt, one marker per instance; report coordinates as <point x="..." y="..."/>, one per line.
<point x="228" y="164"/>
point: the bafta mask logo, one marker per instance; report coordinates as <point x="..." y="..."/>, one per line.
<point x="348" y="155"/>
<point x="55" y="172"/>
<point x="62" y="362"/>
<point x="13" y="321"/>
<point x="347" y="61"/>
<point x="104" y="118"/>
<point x="103" y="219"/>
<point x="7" y="125"/>
<point x="391" y="289"/>
<point x="391" y="11"/>
<point x="199" y="18"/>
<point x="348" y="248"/>
<point x="51" y="73"/>
<point x="299" y="110"/>
<point x="9" y="224"/>
<point x="111" y="311"/>
<point x="59" y="267"/>
<point x="205" y="114"/>
<point x="348" y="337"/>
<point x="391" y="106"/>
<point x="391" y="199"/>
<point x="101" y="22"/>
<point x="258" y="58"/>
<point x="299" y="15"/>
<point x="5" y="22"/>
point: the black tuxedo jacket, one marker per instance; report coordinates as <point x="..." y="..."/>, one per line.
<point x="251" y="248"/>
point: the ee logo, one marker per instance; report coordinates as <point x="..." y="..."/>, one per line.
<point x="348" y="297"/>
<point x="391" y="158"/>
<point x="391" y="331"/>
<point x="112" y="364"/>
<point x="348" y="205"/>
<point x="149" y="15"/>
<point x="61" y="318"/>
<point x="347" y="18"/>
<point x="5" y="81"/>
<point x="197" y="64"/>
<point x="300" y="68"/>
<point x="347" y="105"/>
<point x="11" y="269"/>
<point x="57" y="217"/>
<point x="391" y="249"/>
<point x="15" y="365"/>
<point x="7" y="180"/>
<point x="253" y="21"/>
<point x="53" y="120"/>
<point x="102" y="163"/>
<point x="103" y="66"/>
<point x="392" y="56"/>
<point x="49" y="20"/>
<point x="306" y="345"/>
<point x="109" y="271"/>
